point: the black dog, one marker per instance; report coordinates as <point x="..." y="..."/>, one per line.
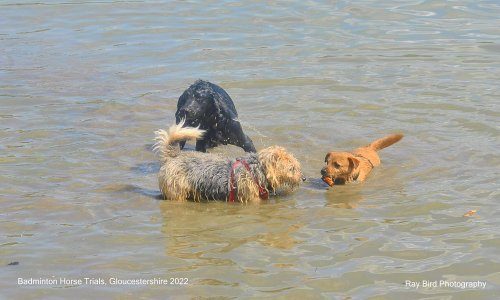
<point x="207" y="105"/>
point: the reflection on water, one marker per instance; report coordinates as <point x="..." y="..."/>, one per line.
<point x="84" y="85"/>
<point x="345" y="196"/>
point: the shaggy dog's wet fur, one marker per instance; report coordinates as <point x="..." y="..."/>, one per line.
<point x="343" y="167"/>
<point x="203" y="176"/>
<point x="209" y="107"/>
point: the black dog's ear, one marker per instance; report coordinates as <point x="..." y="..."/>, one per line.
<point x="327" y="157"/>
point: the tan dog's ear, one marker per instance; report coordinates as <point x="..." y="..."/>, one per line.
<point x="354" y="162"/>
<point x="327" y="157"/>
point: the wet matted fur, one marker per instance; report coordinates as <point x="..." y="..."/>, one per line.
<point x="209" y="107"/>
<point x="204" y="176"/>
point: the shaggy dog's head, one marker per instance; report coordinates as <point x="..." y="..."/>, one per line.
<point x="281" y="168"/>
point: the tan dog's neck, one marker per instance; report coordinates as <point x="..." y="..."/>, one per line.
<point x="364" y="168"/>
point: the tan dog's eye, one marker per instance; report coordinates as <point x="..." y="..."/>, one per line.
<point x="336" y="165"/>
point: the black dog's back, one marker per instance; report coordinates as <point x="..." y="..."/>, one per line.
<point x="204" y="90"/>
<point x="207" y="105"/>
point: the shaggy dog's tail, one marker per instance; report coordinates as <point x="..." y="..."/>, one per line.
<point x="167" y="142"/>
<point x="385" y="142"/>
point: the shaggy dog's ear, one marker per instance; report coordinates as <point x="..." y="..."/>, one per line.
<point x="327" y="157"/>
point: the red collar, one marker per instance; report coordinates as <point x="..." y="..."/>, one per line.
<point x="263" y="193"/>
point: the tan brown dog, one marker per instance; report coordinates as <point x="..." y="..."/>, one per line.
<point x="342" y="167"/>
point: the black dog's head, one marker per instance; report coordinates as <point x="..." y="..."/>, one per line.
<point x="209" y="107"/>
<point x="195" y="111"/>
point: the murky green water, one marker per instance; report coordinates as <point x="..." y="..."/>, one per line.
<point x="83" y="85"/>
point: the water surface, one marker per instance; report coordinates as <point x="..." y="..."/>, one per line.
<point x="83" y="85"/>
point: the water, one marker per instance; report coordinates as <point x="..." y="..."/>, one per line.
<point x="83" y="85"/>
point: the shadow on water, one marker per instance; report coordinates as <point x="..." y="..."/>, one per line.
<point x="314" y="183"/>
<point x="146" y="168"/>
<point x="155" y="194"/>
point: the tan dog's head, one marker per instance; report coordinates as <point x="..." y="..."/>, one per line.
<point x="339" y="166"/>
<point x="282" y="169"/>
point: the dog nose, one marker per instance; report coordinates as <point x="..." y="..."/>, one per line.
<point x="323" y="171"/>
<point x="303" y="179"/>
